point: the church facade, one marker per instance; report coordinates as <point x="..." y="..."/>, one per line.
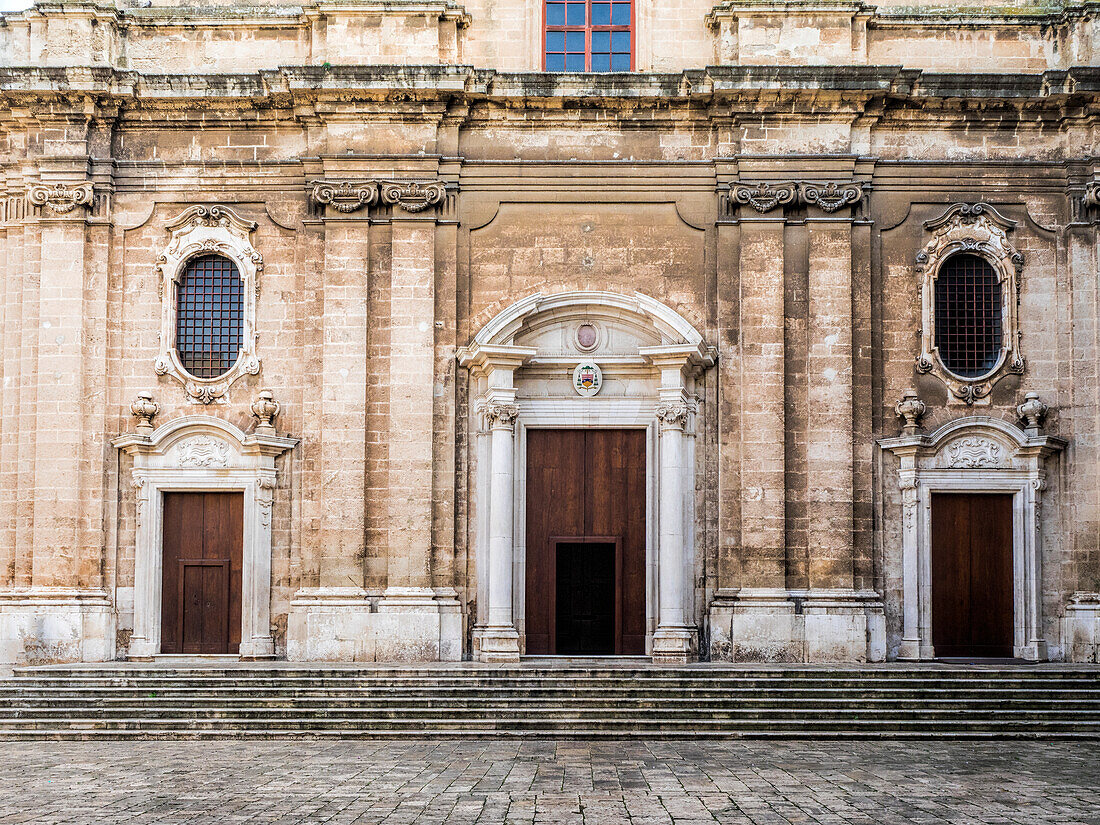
<point x="418" y="331"/>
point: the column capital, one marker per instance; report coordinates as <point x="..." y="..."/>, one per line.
<point x="501" y="416"/>
<point x="673" y="416"/>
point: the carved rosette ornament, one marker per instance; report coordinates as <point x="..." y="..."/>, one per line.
<point x="62" y="198"/>
<point x="1032" y="411"/>
<point x="832" y="196"/>
<point x="910" y="409"/>
<point x="672" y="416"/>
<point x="265" y="408"/>
<point x="413" y="196"/>
<point x="344" y="196"/>
<point x="204" y="230"/>
<point x="144" y="409"/>
<point x="976" y="229"/>
<point x="501" y="415"/>
<point x="763" y="197"/>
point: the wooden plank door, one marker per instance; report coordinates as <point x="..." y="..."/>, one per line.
<point x="972" y="605"/>
<point x="585" y="488"/>
<point x="202" y="567"/>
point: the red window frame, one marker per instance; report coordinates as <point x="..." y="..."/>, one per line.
<point x="588" y="29"/>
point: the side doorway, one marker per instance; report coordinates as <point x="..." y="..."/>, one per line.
<point x="202" y="573"/>
<point x="972" y="588"/>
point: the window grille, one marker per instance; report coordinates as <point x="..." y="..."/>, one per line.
<point x="209" y="316"/>
<point x="588" y="36"/>
<point x="968" y="316"/>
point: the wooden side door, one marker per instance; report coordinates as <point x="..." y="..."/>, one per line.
<point x="972" y="605"/>
<point x="202" y="572"/>
<point x="585" y="485"/>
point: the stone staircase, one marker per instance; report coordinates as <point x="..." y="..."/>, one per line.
<point x="280" y="700"/>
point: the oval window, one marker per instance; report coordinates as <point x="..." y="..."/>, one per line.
<point x="209" y="316"/>
<point x="969" y="319"/>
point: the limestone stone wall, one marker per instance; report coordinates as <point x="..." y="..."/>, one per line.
<point x="662" y="182"/>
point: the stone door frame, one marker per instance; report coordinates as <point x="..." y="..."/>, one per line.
<point x="976" y="454"/>
<point x="666" y="409"/>
<point x="201" y="453"/>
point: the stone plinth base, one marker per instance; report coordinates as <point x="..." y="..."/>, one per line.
<point x="494" y="643"/>
<point x="40" y="625"/>
<point x="1081" y="628"/>
<point x="675" y="645"/>
<point x="347" y="624"/>
<point x="776" y="625"/>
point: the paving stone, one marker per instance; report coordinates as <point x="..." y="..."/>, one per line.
<point x="508" y="783"/>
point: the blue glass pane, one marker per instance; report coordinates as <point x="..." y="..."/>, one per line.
<point x="620" y="42"/>
<point x="574" y="42"/>
<point x="601" y="14"/>
<point x="620" y="63"/>
<point x="555" y="14"/>
<point x="620" y="14"/>
<point x="555" y="41"/>
<point x="601" y="41"/>
<point x="576" y="14"/>
<point x="574" y="62"/>
<point x="601" y="62"/>
<point x="555" y="62"/>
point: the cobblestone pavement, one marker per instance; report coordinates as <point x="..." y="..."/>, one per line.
<point x="595" y="783"/>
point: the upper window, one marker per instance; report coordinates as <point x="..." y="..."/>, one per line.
<point x="969" y="319"/>
<point x="589" y="36"/>
<point x="209" y="316"/>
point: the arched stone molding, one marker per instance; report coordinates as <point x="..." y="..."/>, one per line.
<point x="202" y="453"/>
<point x="981" y="230"/>
<point x="650" y="357"/>
<point x="976" y="454"/>
<point x="205" y="230"/>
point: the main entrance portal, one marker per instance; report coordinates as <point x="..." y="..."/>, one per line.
<point x="586" y="505"/>
<point x="201" y="596"/>
<point x="972" y="574"/>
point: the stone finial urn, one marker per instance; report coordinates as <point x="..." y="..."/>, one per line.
<point x="910" y="409"/>
<point x="144" y="409"/>
<point x="265" y="408"/>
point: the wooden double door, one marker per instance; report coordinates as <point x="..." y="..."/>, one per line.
<point x="202" y="566"/>
<point x="972" y="604"/>
<point x="586" y="504"/>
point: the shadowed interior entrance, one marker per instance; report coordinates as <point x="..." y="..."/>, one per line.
<point x="972" y="575"/>
<point x="585" y="587"/>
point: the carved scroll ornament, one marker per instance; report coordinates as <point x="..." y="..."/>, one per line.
<point x="352" y="195"/>
<point x="62" y="198"/>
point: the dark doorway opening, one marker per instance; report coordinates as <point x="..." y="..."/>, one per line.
<point x="972" y="605"/>
<point x="202" y="567"/>
<point x="586" y="597"/>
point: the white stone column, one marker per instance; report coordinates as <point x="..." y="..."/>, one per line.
<point x="674" y="641"/>
<point x="499" y="638"/>
<point x="493" y="369"/>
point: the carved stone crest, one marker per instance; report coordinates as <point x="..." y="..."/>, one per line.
<point x="973" y="452"/>
<point x="61" y="198"/>
<point x="202" y="451"/>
